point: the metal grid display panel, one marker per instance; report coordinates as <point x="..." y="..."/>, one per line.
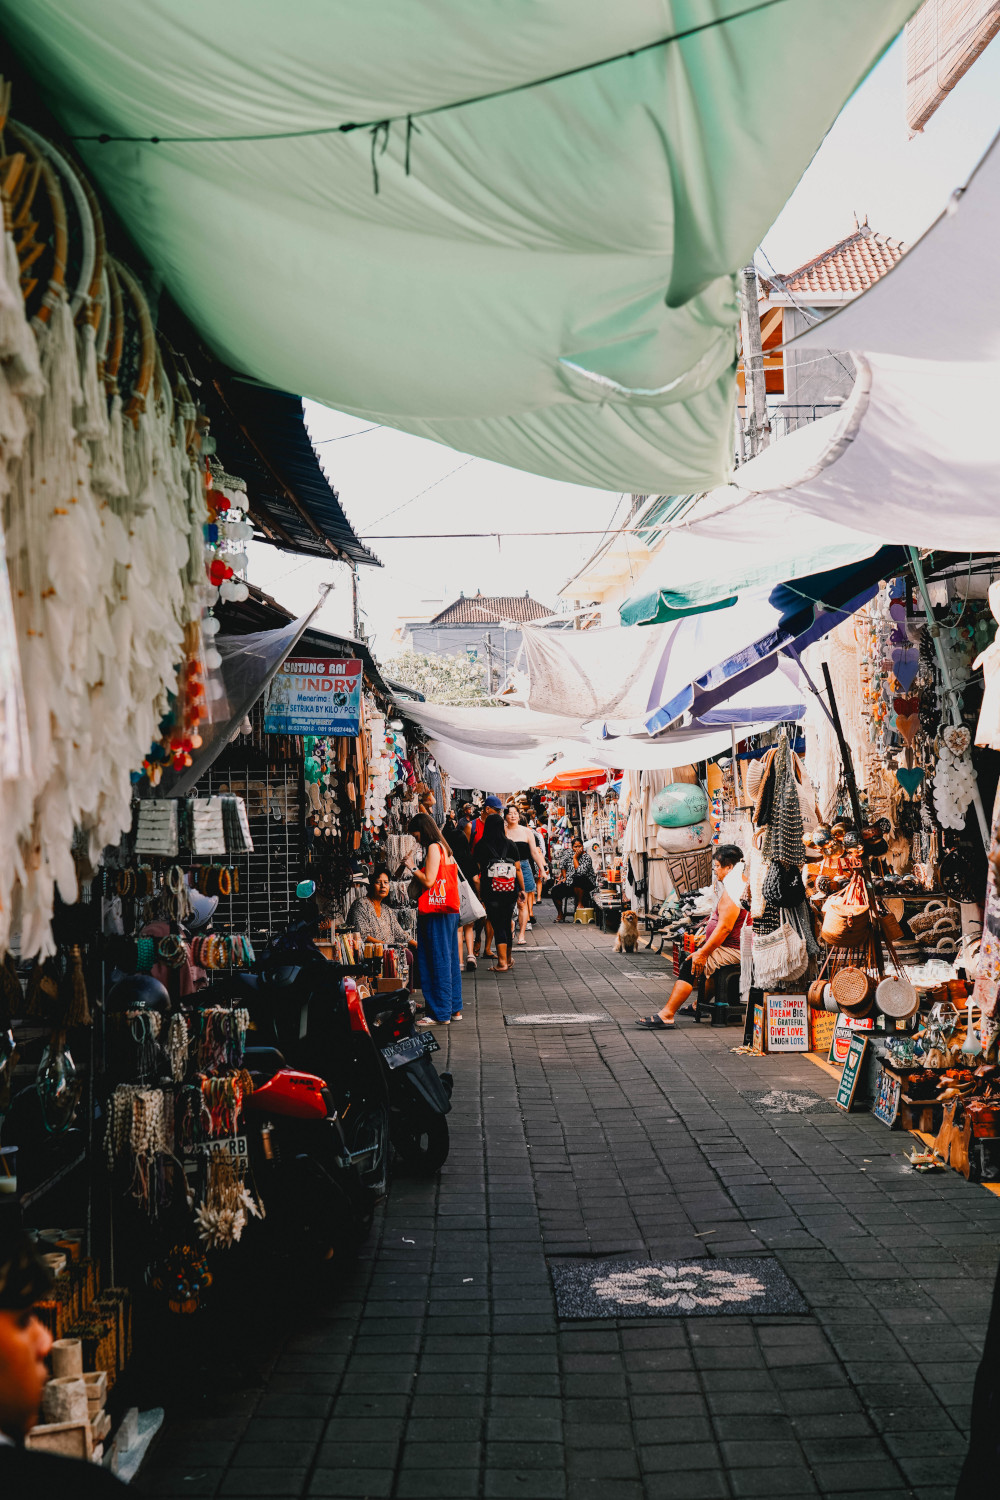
<point x="273" y="794"/>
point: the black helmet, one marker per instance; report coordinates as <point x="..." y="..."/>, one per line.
<point x="138" y="992"/>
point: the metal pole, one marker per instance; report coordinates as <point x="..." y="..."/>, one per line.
<point x="753" y="362"/>
<point x="852" y="788"/>
<point x="951" y="693"/>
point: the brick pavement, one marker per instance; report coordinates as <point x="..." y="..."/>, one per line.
<point x="439" y="1368"/>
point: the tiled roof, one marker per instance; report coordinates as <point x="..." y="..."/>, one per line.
<point x="491" y="609"/>
<point x="845" y="269"/>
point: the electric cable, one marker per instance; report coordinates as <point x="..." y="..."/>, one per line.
<point x="104" y="139"/>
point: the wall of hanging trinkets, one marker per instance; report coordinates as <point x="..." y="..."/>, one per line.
<point x="922" y="777"/>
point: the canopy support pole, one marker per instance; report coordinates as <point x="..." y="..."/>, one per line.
<point x="859" y="822"/>
<point x="952" y="694"/>
<point x="791" y="651"/>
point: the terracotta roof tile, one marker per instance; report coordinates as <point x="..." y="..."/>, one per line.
<point x="491" y="609"/>
<point x="847" y="268"/>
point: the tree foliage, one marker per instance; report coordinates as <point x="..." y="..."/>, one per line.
<point x="442" y="679"/>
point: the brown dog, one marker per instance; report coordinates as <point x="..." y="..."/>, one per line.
<point x="627" y="939"/>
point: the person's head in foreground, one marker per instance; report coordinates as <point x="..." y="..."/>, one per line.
<point x="24" y="1339"/>
<point x="726" y="858"/>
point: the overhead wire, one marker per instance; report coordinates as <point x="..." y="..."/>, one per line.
<point x="376" y="427"/>
<point x="383" y="124"/>
<point x="398" y="508"/>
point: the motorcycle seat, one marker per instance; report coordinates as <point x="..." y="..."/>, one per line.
<point x="263" y="1061"/>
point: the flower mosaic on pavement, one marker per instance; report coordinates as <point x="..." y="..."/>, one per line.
<point x="787" y="1102"/>
<point x="703" y="1287"/>
<point x="558" y="1018"/>
<point x="684" y="1287"/>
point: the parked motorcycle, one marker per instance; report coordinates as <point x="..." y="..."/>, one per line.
<point x="376" y="1064"/>
<point x="300" y="1160"/>
<point x="419" y="1097"/>
<point x="300" y="1004"/>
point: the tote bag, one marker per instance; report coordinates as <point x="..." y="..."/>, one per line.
<point x="442" y="896"/>
<point x="470" y="908"/>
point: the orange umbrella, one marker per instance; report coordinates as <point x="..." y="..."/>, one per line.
<point x="577" y="779"/>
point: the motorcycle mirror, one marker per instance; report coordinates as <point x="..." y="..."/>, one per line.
<point x="305" y="889"/>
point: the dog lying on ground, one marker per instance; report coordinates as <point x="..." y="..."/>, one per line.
<point x="627" y="939"/>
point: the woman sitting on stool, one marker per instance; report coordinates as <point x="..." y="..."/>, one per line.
<point x="720" y="945"/>
<point x="574" y="876"/>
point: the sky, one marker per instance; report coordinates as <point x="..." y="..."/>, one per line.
<point x="390" y="482"/>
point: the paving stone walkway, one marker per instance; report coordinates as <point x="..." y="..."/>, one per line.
<point x="439" y="1367"/>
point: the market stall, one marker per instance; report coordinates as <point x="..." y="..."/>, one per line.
<point x="132" y="475"/>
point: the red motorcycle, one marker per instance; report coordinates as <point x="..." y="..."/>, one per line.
<point x="301" y="1164"/>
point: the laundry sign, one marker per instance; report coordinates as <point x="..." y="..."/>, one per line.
<point x="315" y="695"/>
<point x="787" y="1023"/>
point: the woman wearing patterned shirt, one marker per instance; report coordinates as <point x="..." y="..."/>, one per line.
<point x="574" y="876"/>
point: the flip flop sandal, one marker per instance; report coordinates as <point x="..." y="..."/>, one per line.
<point x="654" y="1023"/>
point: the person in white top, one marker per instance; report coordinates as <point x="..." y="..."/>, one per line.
<point x="532" y="859"/>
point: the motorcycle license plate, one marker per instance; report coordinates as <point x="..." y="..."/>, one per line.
<point x="409" y="1049"/>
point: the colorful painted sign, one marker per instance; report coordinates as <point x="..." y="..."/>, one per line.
<point x="787" y="1023"/>
<point x="844" y="1031"/>
<point x="822" y="1024"/>
<point x="311" y="695"/>
<point x="757" y="1046"/>
<point x="887" y="1092"/>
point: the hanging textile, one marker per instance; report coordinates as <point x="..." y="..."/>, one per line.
<point x="553" y="267"/>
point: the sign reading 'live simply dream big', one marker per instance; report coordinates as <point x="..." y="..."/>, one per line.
<point x="311" y="695"/>
<point x="787" y="1023"/>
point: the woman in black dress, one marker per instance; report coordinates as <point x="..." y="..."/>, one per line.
<point x="500" y="885"/>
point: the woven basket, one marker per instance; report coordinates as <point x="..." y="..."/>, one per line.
<point x="851" y="988"/>
<point x="895" y="996"/>
<point x="691" y="871"/>
<point x="846" y="917"/>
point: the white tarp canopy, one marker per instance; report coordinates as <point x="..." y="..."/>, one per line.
<point x="911" y="459"/>
<point x="593" y="674"/>
<point x="607" y="682"/>
<point x="508" y="748"/>
<point x="942" y="300"/>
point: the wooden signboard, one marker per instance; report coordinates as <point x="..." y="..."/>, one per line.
<point x="787" y="1023"/>
<point x="821" y="1028"/>
<point x="887" y="1092"/>
<point x="852" y="1071"/>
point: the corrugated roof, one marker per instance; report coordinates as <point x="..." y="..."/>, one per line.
<point x="261" y="436"/>
<point x="847" y="268"/>
<point x="491" y="609"/>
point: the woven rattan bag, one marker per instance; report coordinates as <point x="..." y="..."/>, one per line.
<point x="846" y="917"/>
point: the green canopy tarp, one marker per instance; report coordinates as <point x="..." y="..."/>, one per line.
<point x="550" y="284"/>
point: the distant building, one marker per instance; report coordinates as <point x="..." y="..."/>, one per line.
<point x="483" y="627"/>
<point x="813" y="387"/>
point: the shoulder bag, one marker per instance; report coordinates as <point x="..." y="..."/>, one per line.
<point x="442" y="896"/>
